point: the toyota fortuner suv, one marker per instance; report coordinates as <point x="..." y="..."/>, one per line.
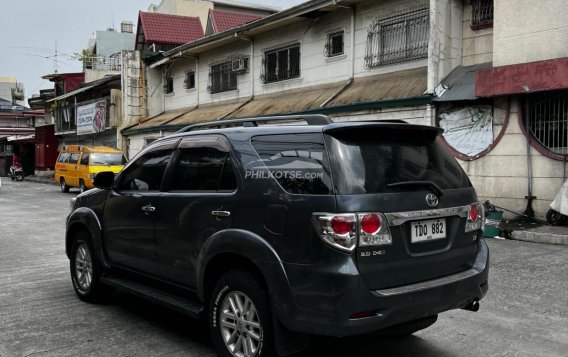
<point x="277" y="232"/>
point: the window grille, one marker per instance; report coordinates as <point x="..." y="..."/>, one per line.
<point x="482" y="13"/>
<point x="399" y="38"/>
<point x="335" y="44"/>
<point x="282" y="64"/>
<point x="222" y="78"/>
<point x="189" y="82"/>
<point x="548" y="120"/>
<point x="169" y="85"/>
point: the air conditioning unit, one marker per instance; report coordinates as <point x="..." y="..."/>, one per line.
<point x="239" y="65"/>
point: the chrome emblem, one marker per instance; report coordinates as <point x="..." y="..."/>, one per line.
<point x="432" y="200"/>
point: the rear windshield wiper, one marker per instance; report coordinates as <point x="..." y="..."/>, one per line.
<point x="428" y="184"/>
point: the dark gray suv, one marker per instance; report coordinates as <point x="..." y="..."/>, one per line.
<point x="275" y="232"/>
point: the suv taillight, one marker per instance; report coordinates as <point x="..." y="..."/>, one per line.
<point x="475" y="217"/>
<point x="343" y="231"/>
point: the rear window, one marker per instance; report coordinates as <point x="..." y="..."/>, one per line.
<point x="107" y="159"/>
<point x="298" y="162"/>
<point x="369" y="160"/>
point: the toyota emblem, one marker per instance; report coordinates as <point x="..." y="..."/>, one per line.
<point x="432" y="200"/>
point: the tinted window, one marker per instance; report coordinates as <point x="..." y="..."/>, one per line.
<point x="107" y="159"/>
<point x="368" y="160"/>
<point x="74" y="158"/>
<point x="203" y="169"/>
<point x="85" y="159"/>
<point x="146" y="173"/>
<point x="63" y="157"/>
<point x="298" y="162"/>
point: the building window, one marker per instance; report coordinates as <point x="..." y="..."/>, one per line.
<point x="169" y="85"/>
<point x="481" y="13"/>
<point x="334" y="45"/>
<point x="547" y="117"/>
<point x="189" y="82"/>
<point x="282" y="64"/>
<point x="222" y="78"/>
<point x="398" y="38"/>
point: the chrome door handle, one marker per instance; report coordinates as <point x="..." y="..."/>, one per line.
<point x="148" y="209"/>
<point x="221" y="213"/>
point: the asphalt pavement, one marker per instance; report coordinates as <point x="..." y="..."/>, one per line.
<point x="524" y="314"/>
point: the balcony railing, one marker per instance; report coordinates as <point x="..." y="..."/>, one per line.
<point x="103" y="63"/>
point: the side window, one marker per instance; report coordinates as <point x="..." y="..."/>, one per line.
<point x="74" y="158"/>
<point x="63" y="157"/>
<point x="298" y="162"/>
<point x="85" y="159"/>
<point x="146" y="173"/>
<point x="203" y="169"/>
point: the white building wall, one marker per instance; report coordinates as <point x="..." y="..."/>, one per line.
<point x="529" y="31"/>
<point x="477" y="44"/>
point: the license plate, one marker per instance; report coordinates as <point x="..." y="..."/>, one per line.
<point x="427" y="230"/>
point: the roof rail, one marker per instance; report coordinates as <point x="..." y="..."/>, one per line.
<point x="311" y="119"/>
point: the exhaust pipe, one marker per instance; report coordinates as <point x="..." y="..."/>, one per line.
<point x="472" y="306"/>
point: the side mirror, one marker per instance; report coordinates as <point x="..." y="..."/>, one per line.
<point x="104" y="180"/>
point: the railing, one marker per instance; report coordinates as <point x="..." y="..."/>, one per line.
<point x="103" y="63"/>
<point x="548" y="120"/>
<point x="482" y="13"/>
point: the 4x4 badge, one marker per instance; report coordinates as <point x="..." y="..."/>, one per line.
<point x="432" y="200"/>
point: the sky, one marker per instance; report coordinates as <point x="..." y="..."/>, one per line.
<point x="31" y="30"/>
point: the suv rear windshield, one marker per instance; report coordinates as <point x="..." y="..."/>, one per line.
<point x="298" y="162"/>
<point x="375" y="160"/>
<point x="107" y="159"/>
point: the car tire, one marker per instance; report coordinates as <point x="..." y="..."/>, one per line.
<point x="556" y="218"/>
<point x="240" y="319"/>
<point x="63" y="185"/>
<point x="86" y="270"/>
<point x="82" y="187"/>
<point x="410" y="327"/>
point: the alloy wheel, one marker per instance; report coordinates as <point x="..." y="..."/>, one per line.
<point x="240" y="325"/>
<point x="83" y="267"/>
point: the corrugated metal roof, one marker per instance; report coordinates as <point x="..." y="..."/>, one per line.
<point x="162" y="119"/>
<point x="291" y="101"/>
<point x="460" y="83"/>
<point x="208" y="112"/>
<point x="397" y="85"/>
<point x="170" y="29"/>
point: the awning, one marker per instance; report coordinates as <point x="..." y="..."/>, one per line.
<point x="523" y="78"/>
<point x="209" y="112"/>
<point x="460" y="84"/>
<point x="177" y="119"/>
<point x="161" y="119"/>
<point x="70" y="94"/>
<point x="409" y="83"/>
<point x="291" y="101"/>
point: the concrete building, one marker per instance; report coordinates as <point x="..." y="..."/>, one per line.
<point x="317" y="57"/>
<point x="11" y="90"/>
<point x="513" y="76"/>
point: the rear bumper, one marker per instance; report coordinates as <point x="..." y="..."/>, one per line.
<point x="324" y="306"/>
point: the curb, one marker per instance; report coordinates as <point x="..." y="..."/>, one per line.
<point x="44" y="180"/>
<point x="540" y="235"/>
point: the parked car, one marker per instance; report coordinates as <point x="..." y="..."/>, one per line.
<point x="276" y="232"/>
<point x="77" y="165"/>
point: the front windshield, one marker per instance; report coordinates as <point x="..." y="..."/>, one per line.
<point x="107" y="159"/>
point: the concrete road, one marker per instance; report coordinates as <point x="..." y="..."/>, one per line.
<point x="524" y="314"/>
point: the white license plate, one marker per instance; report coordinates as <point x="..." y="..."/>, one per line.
<point x="428" y="230"/>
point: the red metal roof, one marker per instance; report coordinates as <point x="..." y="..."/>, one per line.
<point x="170" y="29"/>
<point x="224" y="20"/>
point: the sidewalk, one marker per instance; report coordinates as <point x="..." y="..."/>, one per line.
<point x="534" y="232"/>
<point x="40" y="179"/>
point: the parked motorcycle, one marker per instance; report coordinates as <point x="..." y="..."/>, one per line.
<point x="16" y="173"/>
<point x="558" y="213"/>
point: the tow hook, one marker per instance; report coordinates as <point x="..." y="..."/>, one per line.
<point x="472" y="306"/>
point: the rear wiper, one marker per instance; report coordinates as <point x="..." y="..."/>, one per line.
<point x="428" y="184"/>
